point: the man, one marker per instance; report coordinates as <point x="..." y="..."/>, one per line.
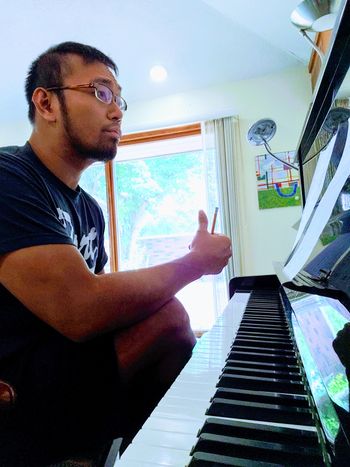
<point x="77" y="344"/>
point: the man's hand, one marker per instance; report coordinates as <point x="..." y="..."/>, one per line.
<point x="213" y="250"/>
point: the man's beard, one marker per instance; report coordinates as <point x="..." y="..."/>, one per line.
<point x="99" y="152"/>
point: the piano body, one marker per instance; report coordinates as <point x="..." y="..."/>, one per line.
<point x="268" y="384"/>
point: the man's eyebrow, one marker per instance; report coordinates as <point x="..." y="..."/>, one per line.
<point x="108" y="82"/>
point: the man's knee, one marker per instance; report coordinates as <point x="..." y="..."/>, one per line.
<point x="166" y="334"/>
<point x="177" y="326"/>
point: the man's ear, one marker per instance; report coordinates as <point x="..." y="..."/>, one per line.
<point x="46" y="104"/>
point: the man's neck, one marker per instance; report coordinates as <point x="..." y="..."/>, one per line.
<point x="67" y="167"/>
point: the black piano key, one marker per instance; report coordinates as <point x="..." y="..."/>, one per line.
<point x="260" y="318"/>
<point x="272" y="317"/>
<point x="258" y="337"/>
<point x="262" y="365"/>
<point x="264" y="384"/>
<point x="265" y="336"/>
<point x="265" y="330"/>
<point x="260" y="451"/>
<point x="276" y="374"/>
<point x="262" y="357"/>
<point x="267" y="319"/>
<point x="262" y="432"/>
<point x="292" y="400"/>
<point x="262" y="311"/>
<point x="204" y="459"/>
<point x="262" y="304"/>
<point x="276" y="325"/>
<point x="260" y="344"/>
<point x="267" y="311"/>
<point x="272" y="322"/>
<point x="272" y="351"/>
<point x="267" y="322"/>
<point x="221" y="407"/>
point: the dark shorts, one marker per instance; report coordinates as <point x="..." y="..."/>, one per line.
<point x="69" y="401"/>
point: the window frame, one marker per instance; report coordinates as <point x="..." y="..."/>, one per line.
<point x="128" y="139"/>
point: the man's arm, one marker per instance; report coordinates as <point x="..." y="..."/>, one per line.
<point x="54" y="282"/>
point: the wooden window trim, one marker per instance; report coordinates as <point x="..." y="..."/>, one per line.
<point x="164" y="133"/>
<point x="112" y="224"/>
<point x="322" y="41"/>
<point x="136" y="138"/>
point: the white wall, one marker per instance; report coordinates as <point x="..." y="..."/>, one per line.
<point x="14" y="133"/>
<point x="268" y="234"/>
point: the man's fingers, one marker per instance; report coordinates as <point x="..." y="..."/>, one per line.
<point x="202" y="221"/>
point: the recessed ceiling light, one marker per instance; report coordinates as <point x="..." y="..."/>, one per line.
<point x="158" y="73"/>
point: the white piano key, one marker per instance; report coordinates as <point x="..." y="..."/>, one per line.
<point x="166" y="439"/>
<point x="133" y="463"/>
<point x="154" y="455"/>
<point x="171" y="424"/>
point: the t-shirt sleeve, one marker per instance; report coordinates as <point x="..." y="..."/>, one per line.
<point x="102" y="257"/>
<point x="28" y="213"/>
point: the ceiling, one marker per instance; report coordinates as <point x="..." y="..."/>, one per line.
<point x="200" y="42"/>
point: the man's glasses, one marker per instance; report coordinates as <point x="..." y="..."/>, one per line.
<point x="102" y="92"/>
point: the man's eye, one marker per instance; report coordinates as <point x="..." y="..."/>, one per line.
<point x="103" y="94"/>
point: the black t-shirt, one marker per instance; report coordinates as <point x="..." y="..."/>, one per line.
<point x="36" y="208"/>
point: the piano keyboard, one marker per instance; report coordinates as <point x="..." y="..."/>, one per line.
<point x="240" y="400"/>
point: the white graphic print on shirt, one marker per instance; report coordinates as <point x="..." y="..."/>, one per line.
<point x="86" y="244"/>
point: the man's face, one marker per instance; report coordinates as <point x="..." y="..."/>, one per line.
<point x="90" y="127"/>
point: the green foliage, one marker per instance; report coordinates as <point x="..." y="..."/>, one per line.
<point x="327" y="238"/>
<point x="329" y="420"/>
<point x="337" y="384"/>
<point x="93" y="181"/>
<point x="158" y="196"/>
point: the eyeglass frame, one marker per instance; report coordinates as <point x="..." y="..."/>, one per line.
<point x="92" y="85"/>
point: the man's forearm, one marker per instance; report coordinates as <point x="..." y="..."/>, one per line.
<point x="120" y="299"/>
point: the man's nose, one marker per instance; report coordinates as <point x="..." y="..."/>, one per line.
<point x="115" y="113"/>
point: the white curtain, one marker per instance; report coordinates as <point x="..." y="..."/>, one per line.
<point x="222" y="142"/>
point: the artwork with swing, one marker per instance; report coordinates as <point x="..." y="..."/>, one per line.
<point x="277" y="181"/>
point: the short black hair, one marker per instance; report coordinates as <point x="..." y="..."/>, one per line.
<point x="51" y="66"/>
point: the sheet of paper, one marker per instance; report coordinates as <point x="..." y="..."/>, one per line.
<point x="316" y="187"/>
<point x="320" y="216"/>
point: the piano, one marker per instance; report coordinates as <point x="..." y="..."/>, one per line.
<point x="268" y="384"/>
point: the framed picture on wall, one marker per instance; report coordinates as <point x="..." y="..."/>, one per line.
<point x="278" y="184"/>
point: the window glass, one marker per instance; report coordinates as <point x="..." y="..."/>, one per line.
<point x="93" y="181"/>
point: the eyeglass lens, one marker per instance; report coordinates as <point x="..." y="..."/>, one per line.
<point x="104" y="94"/>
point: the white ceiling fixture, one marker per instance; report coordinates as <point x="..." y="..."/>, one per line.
<point x="158" y="73"/>
<point x="315" y="16"/>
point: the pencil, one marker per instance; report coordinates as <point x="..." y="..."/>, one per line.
<point x="214" y="220"/>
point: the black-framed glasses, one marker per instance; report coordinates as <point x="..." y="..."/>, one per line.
<point x="102" y="92"/>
